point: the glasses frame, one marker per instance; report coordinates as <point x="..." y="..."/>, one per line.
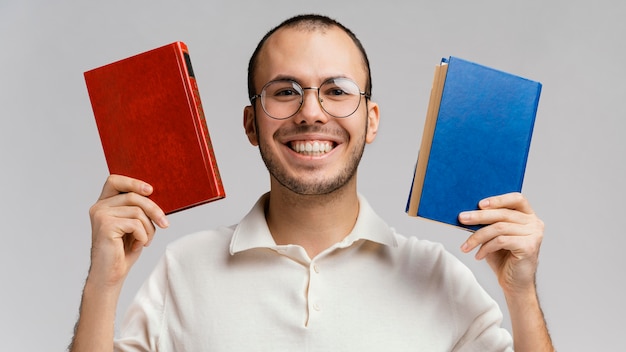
<point x="319" y="100"/>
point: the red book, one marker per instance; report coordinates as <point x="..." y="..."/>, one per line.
<point x="152" y="126"/>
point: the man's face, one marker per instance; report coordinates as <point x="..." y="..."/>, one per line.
<point x="311" y="58"/>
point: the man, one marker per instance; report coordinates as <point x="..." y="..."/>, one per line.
<point x="311" y="267"/>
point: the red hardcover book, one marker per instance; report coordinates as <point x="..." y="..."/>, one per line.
<point x="153" y="128"/>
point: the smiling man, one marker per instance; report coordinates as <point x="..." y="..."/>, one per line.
<point x="288" y="121"/>
<point x="311" y="267"/>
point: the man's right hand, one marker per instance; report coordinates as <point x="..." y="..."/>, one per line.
<point x="122" y="223"/>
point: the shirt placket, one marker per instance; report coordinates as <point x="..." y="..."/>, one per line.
<point x="314" y="298"/>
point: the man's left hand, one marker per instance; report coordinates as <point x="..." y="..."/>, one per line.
<point x="510" y="242"/>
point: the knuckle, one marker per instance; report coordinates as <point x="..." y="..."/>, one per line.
<point x="112" y="180"/>
<point x="131" y="198"/>
<point x="96" y="212"/>
<point x="93" y="210"/>
<point x="499" y="241"/>
<point x="136" y="199"/>
<point x="139" y="231"/>
<point x="541" y="225"/>
<point x="136" y="212"/>
<point x="130" y="226"/>
<point x="499" y="227"/>
<point x="519" y="197"/>
<point x="136" y="225"/>
<point x="538" y="227"/>
<point x="536" y="247"/>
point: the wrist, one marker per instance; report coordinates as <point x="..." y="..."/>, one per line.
<point x="103" y="289"/>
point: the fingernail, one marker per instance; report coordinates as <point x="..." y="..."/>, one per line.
<point x="146" y="188"/>
<point x="484" y="203"/>
<point x="164" y="222"/>
<point x="464" y="216"/>
<point x="465" y="247"/>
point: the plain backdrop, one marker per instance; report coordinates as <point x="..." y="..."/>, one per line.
<point x="53" y="167"/>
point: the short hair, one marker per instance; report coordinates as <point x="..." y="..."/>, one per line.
<point x="307" y="22"/>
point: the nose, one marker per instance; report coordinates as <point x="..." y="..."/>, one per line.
<point x="311" y="110"/>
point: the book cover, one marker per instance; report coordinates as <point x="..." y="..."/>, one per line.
<point x="152" y="126"/>
<point x="475" y="141"/>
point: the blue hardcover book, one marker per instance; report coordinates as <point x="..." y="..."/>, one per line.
<point x="475" y="142"/>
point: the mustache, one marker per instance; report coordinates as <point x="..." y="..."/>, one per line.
<point x="312" y="129"/>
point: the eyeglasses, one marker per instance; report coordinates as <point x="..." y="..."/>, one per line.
<point x="283" y="98"/>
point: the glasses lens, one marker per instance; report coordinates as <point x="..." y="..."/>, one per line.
<point x="281" y="99"/>
<point x="340" y="97"/>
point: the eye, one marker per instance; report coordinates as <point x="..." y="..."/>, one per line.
<point x="286" y="92"/>
<point x="283" y="90"/>
<point x="339" y="89"/>
<point x="335" y="91"/>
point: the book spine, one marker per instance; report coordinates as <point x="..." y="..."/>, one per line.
<point x="201" y="124"/>
<point x="427" y="139"/>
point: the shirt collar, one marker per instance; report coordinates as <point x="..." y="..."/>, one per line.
<point x="253" y="232"/>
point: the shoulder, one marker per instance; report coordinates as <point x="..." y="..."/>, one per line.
<point x="201" y="246"/>
<point x="428" y="259"/>
<point x="424" y="251"/>
<point x="440" y="276"/>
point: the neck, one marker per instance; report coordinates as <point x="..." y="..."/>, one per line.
<point x="314" y="222"/>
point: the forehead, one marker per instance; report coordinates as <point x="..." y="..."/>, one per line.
<point x="310" y="56"/>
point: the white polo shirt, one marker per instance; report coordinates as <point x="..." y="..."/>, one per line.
<point x="234" y="289"/>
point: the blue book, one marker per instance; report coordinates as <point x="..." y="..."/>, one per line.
<point x="475" y="141"/>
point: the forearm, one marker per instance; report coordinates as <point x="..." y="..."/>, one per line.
<point x="530" y="332"/>
<point x="95" y="326"/>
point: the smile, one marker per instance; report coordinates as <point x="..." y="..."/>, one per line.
<point x="312" y="147"/>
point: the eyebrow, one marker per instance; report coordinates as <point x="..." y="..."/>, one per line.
<point x="282" y="77"/>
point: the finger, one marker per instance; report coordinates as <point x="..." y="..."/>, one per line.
<point x="515" y="201"/>
<point x="116" y="222"/>
<point x="116" y="184"/>
<point x="520" y="247"/>
<point x="113" y="229"/>
<point x="133" y="233"/>
<point x="135" y="213"/>
<point x="488" y="233"/>
<point x="492" y="216"/>
<point x="147" y="206"/>
<point x="113" y="219"/>
<point x="532" y="231"/>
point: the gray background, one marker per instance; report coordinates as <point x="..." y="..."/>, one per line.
<point x="53" y="166"/>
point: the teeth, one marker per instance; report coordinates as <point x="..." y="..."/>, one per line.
<point x="312" y="148"/>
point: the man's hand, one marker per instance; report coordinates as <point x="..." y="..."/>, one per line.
<point x="122" y="224"/>
<point x="510" y="243"/>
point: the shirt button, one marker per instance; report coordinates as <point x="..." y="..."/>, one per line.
<point x="316" y="268"/>
<point x="316" y="307"/>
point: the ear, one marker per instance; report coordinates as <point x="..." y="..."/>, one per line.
<point x="373" y="118"/>
<point x="249" y="125"/>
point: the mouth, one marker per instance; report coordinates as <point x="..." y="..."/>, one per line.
<point x="312" y="148"/>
